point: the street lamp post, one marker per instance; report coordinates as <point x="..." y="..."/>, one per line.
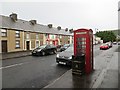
<point x="95" y="35"/>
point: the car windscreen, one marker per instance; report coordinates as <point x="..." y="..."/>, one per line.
<point x="43" y="46"/>
<point x="69" y="49"/>
<point x="66" y="45"/>
<point x="103" y="44"/>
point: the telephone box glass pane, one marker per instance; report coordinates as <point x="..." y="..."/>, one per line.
<point x="81" y="39"/>
<point x="83" y="46"/>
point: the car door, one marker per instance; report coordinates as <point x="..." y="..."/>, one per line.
<point x="48" y="49"/>
<point x="51" y="48"/>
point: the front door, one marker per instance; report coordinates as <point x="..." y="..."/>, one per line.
<point x="53" y="42"/>
<point x="4" y="46"/>
<point x="28" y="45"/>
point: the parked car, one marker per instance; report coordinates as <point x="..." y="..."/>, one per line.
<point x="44" y="49"/>
<point x="64" y="47"/>
<point x="114" y="43"/>
<point x="118" y="43"/>
<point x="58" y="47"/>
<point x="65" y="57"/>
<point x="104" y="46"/>
<point x="109" y="44"/>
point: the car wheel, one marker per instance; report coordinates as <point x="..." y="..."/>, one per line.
<point x="43" y="53"/>
<point x="54" y="51"/>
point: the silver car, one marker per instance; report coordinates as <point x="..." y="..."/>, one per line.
<point x="65" y="57"/>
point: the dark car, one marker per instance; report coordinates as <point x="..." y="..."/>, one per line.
<point x="64" y="47"/>
<point x="65" y="57"/>
<point x="118" y="43"/>
<point x="58" y="47"/>
<point x="44" y="49"/>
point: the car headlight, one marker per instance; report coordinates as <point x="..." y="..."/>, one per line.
<point x="70" y="57"/>
<point x="57" y="55"/>
<point x="38" y="50"/>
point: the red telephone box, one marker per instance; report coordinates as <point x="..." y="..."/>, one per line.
<point x="83" y="44"/>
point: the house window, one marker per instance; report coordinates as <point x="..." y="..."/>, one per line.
<point x="60" y="36"/>
<point x="37" y="43"/>
<point x="17" y="34"/>
<point x="27" y="36"/>
<point x="4" y="32"/>
<point x="37" y="36"/>
<point x="17" y="44"/>
<point x="52" y="36"/>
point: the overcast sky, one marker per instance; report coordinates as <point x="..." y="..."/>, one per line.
<point x="100" y="14"/>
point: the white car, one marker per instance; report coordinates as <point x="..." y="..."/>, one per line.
<point x="114" y="43"/>
<point x="109" y="44"/>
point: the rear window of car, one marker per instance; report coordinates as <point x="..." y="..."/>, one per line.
<point x="52" y="45"/>
<point x="43" y="46"/>
<point x="103" y="44"/>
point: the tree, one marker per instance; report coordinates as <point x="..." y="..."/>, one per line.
<point x="106" y="36"/>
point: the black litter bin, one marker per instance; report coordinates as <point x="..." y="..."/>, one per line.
<point x="78" y="65"/>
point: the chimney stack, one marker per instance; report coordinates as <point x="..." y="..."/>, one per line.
<point x="71" y="30"/>
<point x="66" y="29"/>
<point x="33" y="22"/>
<point x="13" y="16"/>
<point x="50" y="25"/>
<point x="59" y="28"/>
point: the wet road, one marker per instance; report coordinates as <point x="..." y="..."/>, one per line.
<point x="33" y="72"/>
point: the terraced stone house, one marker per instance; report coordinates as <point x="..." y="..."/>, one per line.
<point x="20" y="35"/>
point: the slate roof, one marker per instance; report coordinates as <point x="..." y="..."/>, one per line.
<point x="26" y="26"/>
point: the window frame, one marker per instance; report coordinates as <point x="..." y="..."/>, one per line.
<point x="17" y="34"/>
<point x="37" y="43"/>
<point x="17" y="47"/>
<point x="28" y="36"/>
<point x="37" y="36"/>
<point x="4" y="34"/>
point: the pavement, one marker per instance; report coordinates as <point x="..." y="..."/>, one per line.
<point x="5" y="56"/>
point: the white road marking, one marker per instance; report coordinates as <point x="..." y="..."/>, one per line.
<point x="11" y="66"/>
